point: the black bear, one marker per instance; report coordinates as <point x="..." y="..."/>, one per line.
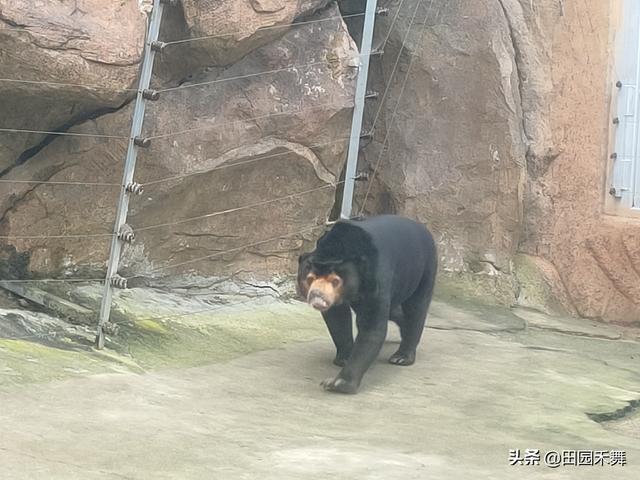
<point x="383" y="268"/>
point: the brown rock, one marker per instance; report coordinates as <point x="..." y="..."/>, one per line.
<point x="268" y="6"/>
<point x="94" y="45"/>
<point x="540" y="287"/>
<point x="238" y="27"/>
<point x="285" y="131"/>
<point x="492" y="143"/>
<point x="495" y="147"/>
<point x="595" y="255"/>
<point x="455" y="158"/>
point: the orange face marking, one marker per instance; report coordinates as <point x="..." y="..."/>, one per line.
<point x="324" y="291"/>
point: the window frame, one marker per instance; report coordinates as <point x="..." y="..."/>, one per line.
<point x="616" y="205"/>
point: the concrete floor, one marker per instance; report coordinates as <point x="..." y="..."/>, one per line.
<point x="487" y="380"/>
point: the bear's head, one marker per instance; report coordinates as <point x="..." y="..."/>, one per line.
<point x="325" y="284"/>
<point x="340" y="269"/>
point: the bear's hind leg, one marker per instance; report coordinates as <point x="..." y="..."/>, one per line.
<point x="415" y="314"/>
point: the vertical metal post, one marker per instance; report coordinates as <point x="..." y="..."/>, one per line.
<point x="129" y="166"/>
<point x="358" y="111"/>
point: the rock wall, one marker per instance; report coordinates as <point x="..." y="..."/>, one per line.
<point x="91" y="42"/>
<point x="285" y="130"/>
<point x="227" y="138"/>
<point x="595" y="254"/>
<point x="455" y="156"/>
<point x="489" y="139"/>
<point x="500" y="144"/>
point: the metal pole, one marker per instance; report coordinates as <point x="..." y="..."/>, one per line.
<point x="358" y="111"/>
<point x="128" y="187"/>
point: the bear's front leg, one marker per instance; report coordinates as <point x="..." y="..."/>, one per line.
<point x="372" y="331"/>
<point x="338" y="320"/>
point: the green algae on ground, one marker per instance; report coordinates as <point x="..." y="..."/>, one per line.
<point x="218" y="336"/>
<point x="151" y="326"/>
<point x="160" y="340"/>
<point x="27" y="362"/>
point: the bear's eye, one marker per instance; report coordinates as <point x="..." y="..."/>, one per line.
<point x="310" y="278"/>
<point x="336" y="282"/>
